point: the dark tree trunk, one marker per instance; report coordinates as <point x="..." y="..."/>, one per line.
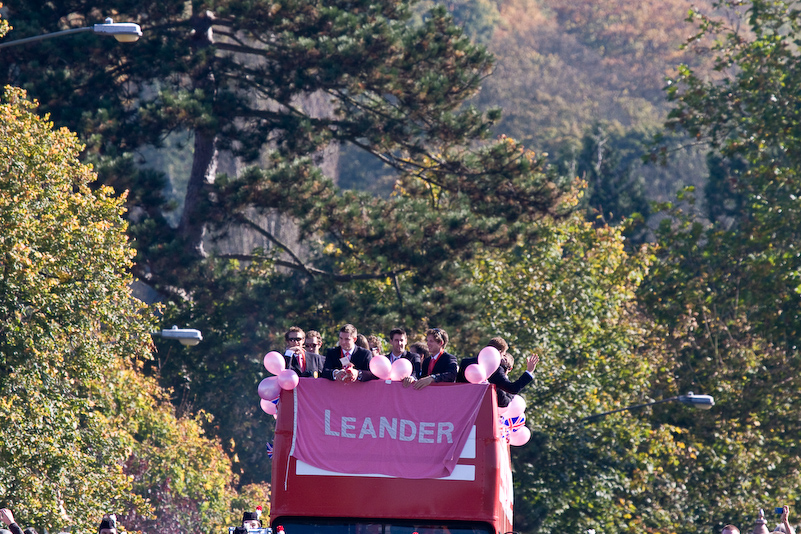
<point x="204" y="169"/>
<point x="204" y="162"/>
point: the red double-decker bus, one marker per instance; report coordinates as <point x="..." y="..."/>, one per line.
<point x="318" y="481"/>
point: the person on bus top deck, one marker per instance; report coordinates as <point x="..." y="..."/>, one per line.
<point x="375" y="346"/>
<point x="361" y="341"/>
<point x="419" y="348"/>
<point x="397" y="338"/>
<point x="314" y="342"/>
<point x="347" y="362"/>
<point x="504" y="388"/>
<point x="300" y="360"/>
<point x="439" y="366"/>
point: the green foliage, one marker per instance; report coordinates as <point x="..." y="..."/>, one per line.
<point x="88" y="434"/>
<point x="280" y="82"/>
<point x="723" y="202"/>
<point x="608" y="161"/>
<point x="67" y="316"/>
<point x="423" y="283"/>
<point x="185" y="477"/>
<point x="710" y="307"/>
<point x="4" y="27"/>
<point x="478" y="18"/>
<point x="725" y="295"/>
<point x="573" y="296"/>
<point x="747" y="117"/>
<point x="392" y="87"/>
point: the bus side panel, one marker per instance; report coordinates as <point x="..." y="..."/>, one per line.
<point x="475" y="493"/>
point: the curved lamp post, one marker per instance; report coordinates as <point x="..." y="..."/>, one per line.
<point x="702" y="402"/>
<point x="124" y="32"/>
<point x="186" y="336"/>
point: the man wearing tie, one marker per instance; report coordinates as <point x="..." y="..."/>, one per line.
<point x="397" y="338"/>
<point x="303" y="362"/>
<point x="347" y="362"/>
<point x="440" y="366"/>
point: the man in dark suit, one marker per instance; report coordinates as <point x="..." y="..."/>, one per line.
<point x="347" y="362"/>
<point x="504" y="387"/>
<point x="397" y="338"/>
<point x="439" y="366"/>
<point x="303" y="362"/>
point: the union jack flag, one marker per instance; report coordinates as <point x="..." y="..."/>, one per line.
<point x="516" y="423"/>
<point x="511" y="424"/>
<point x="269" y="450"/>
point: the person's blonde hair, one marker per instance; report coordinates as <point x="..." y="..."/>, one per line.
<point x="439" y="334"/>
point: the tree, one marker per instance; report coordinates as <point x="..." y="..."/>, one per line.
<point x="66" y="316"/>
<point x="725" y="293"/>
<point x="235" y="74"/>
<point x="87" y="433"/>
<point x="240" y="76"/>
<point x="608" y="161"/>
<point x="573" y="297"/>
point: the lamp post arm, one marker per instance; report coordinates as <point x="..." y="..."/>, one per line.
<point x="597" y="416"/>
<point x="46" y="36"/>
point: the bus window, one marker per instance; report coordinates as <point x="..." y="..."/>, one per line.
<point x="325" y="526"/>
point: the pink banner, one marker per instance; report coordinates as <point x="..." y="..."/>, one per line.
<point x="379" y="428"/>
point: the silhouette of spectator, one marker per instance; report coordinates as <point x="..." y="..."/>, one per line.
<point x="8" y="519"/>
<point x="108" y="525"/>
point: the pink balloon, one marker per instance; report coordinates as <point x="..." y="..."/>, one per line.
<point x="269" y="388"/>
<point x="401" y="368"/>
<point x="516" y="407"/>
<point x="380" y="367"/>
<point x="274" y="362"/>
<point x="268" y="407"/>
<point x="475" y="374"/>
<point x="288" y="379"/>
<point x="490" y="359"/>
<point x="520" y="436"/>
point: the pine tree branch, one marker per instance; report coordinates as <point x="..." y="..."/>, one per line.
<point x="240" y="48"/>
<point x="311" y="271"/>
<point x="298" y="262"/>
<point x="396" y="283"/>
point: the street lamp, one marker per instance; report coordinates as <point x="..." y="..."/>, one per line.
<point x="702" y="402"/>
<point x="124" y="32"/>
<point x="186" y="336"/>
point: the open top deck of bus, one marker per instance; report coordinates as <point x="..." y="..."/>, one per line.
<point x="475" y="497"/>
